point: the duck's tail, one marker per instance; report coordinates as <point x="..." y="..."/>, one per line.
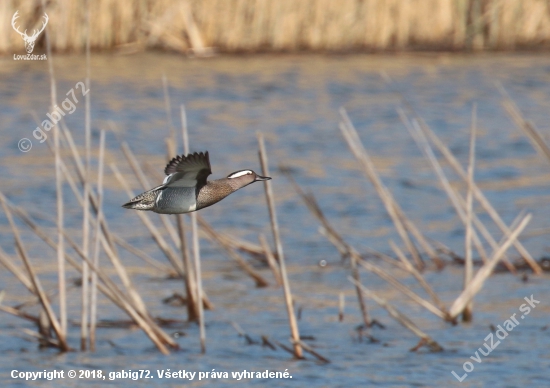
<point x="144" y="201"/>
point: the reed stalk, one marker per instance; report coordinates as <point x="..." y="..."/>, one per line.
<point x="341" y="306"/>
<point x="455" y="199"/>
<point x="399" y="317"/>
<point x="468" y="262"/>
<point x="190" y="278"/>
<point x="7" y="262"/>
<point x="247" y="268"/>
<point x="534" y="135"/>
<point x="93" y="297"/>
<point x="458" y="202"/>
<point x="59" y="192"/>
<point x="403" y="289"/>
<point x="356" y="146"/>
<point x="145" y="257"/>
<point x="198" y="273"/>
<point x="480" y="197"/>
<point x="38" y="290"/>
<point x="86" y="206"/>
<point x="270" y="259"/>
<point x="484" y="272"/>
<point x="196" y="247"/>
<point x="294" y="331"/>
<point x="418" y="276"/>
<point x="330" y="233"/>
<point x="107" y="287"/>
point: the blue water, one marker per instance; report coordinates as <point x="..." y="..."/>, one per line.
<point x="294" y="102"/>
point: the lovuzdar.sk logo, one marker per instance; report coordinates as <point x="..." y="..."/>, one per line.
<point x="29" y="40"/>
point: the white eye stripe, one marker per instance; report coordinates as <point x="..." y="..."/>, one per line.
<point x="240" y="173"/>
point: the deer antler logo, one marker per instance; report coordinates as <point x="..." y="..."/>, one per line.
<point x="29" y="40"/>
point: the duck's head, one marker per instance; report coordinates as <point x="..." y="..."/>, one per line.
<point x="243" y="178"/>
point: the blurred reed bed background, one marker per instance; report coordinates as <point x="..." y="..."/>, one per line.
<point x="195" y="26"/>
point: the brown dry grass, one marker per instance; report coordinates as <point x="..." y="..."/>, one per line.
<point x="284" y="25"/>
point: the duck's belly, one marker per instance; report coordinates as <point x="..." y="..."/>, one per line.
<point x="176" y="200"/>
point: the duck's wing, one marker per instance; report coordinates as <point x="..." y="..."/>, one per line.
<point x="188" y="171"/>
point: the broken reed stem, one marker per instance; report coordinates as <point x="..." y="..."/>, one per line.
<point x="247" y="268"/>
<point x="341" y="305"/>
<point x="418" y="276"/>
<point x="19" y="314"/>
<point x="399" y="317"/>
<point x="59" y="190"/>
<point x="458" y="202"/>
<point x="403" y="289"/>
<point x="38" y="290"/>
<point x="313" y="352"/>
<point x="388" y="259"/>
<point x="145" y="257"/>
<point x="537" y="140"/>
<point x="294" y="331"/>
<point x="107" y="287"/>
<point x="353" y="255"/>
<point x="328" y="231"/>
<point x="197" y="257"/>
<point x="456" y="199"/>
<point x="270" y="259"/>
<point x="190" y="278"/>
<point x="480" y="197"/>
<point x="468" y="262"/>
<point x="143" y="320"/>
<point x="484" y="272"/>
<point x="7" y="262"/>
<point x="453" y="197"/>
<point x="123" y="275"/>
<point x="86" y="205"/>
<point x="357" y="148"/>
<point x="93" y="310"/>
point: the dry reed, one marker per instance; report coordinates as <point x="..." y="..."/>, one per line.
<point x="86" y="297"/>
<point x="93" y="296"/>
<point x="484" y="272"/>
<point x="294" y="330"/>
<point x="399" y="317"/>
<point x="330" y="233"/>
<point x="402" y="224"/>
<point x="468" y="261"/>
<point x="196" y="250"/>
<point x="193" y="26"/>
<point x="479" y="196"/>
<point x="36" y="285"/>
<point x="59" y="193"/>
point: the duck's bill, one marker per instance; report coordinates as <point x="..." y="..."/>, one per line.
<point x="262" y="178"/>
